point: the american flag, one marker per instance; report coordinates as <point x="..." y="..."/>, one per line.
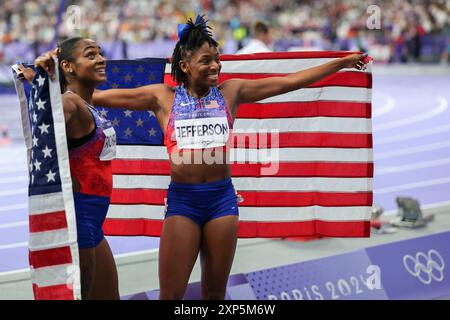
<point x="320" y="146"/>
<point x="53" y="248"/>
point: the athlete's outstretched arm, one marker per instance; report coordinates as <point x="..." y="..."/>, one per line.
<point x="247" y="91"/>
<point x="142" y="98"/>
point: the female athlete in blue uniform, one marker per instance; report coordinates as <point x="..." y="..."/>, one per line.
<point x="197" y="118"/>
<point x="91" y="143"/>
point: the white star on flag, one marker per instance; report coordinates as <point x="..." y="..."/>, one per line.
<point x="34" y="117"/>
<point x="40" y="80"/>
<point x="103" y="113"/>
<point x="139" y="122"/>
<point x="40" y="104"/>
<point x="35" y="141"/>
<point x="128" y="78"/>
<point x="128" y="113"/>
<point x="47" y="152"/>
<point x="37" y="165"/>
<point x="115" y="122"/>
<point x="151" y="113"/>
<point x="128" y="132"/>
<point x="152" y="132"/>
<point x="51" y="176"/>
<point x="44" y="127"/>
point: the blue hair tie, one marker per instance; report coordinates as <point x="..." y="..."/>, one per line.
<point x="185" y="28"/>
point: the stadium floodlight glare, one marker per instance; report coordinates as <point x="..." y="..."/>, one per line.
<point x="409" y="214"/>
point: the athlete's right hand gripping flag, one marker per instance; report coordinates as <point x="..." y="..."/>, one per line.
<point x="310" y="175"/>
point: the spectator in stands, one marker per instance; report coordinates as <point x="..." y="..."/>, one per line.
<point x="261" y="39"/>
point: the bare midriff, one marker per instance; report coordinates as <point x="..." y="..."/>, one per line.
<point x="199" y="166"/>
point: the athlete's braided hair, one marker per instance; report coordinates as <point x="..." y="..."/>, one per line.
<point x="192" y="36"/>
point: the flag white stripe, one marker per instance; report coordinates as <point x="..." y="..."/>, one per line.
<point x="256" y="184"/>
<point x="323" y="94"/>
<point x="259" y="155"/>
<point x="272" y="65"/>
<point x="51" y="276"/>
<point x="45" y="203"/>
<point x="70" y="236"/>
<point x="316" y="124"/>
<point x="49" y="239"/>
<point x="264" y="214"/>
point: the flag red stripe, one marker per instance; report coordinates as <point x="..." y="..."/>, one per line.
<point x="302" y="140"/>
<point x="132" y="227"/>
<point x="50" y="257"/>
<point x="285" y="169"/>
<point x="48" y="221"/>
<point x="255" y="198"/>
<point x="120" y="227"/>
<point x="341" y="79"/>
<point x="305" y="228"/>
<point x="342" y="109"/>
<point x="56" y="292"/>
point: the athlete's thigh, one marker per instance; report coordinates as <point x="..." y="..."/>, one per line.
<point x="106" y="285"/>
<point x="87" y="271"/>
<point x="178" y="250"/>
<point x="217" y="253"/>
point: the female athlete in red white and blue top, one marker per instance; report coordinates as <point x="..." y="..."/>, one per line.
<point x="90" y="160"/>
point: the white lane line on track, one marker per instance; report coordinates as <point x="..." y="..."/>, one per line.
<point x="383" y="170"/>
<point x="388" y="107"/>
<point x="412" y="150"/>
<point x="13" y="192"/>
<point x="443" y="104"/>
<point x="410" y="186"/>
<point x="13" y="207"/>
<point x="16" y="179"/>
<point x="14" y="224"/>
<point x="412" y="135"/>
<point x="14" y="245"/>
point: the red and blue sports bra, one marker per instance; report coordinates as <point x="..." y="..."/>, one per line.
<point x="198" y="123"/>
<point x="90" y="157"/>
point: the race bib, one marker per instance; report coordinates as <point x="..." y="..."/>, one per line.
<point x="201" y="133"/>
<point x="109" y="147"/>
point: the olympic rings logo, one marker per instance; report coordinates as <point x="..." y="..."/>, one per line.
<point x="425" y="267"/>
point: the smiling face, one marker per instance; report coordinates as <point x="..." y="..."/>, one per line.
<point x="88" y="63"/>
<point x="202" y="66"/>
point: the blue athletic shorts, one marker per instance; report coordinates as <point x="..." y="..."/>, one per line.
<point x="202" y="202"/>
<point x="90" y="213"/>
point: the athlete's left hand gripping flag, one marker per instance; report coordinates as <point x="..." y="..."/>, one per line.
<point x="53" y="248"/>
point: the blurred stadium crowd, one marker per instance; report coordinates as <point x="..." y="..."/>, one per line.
<point x="417" y="30"/>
